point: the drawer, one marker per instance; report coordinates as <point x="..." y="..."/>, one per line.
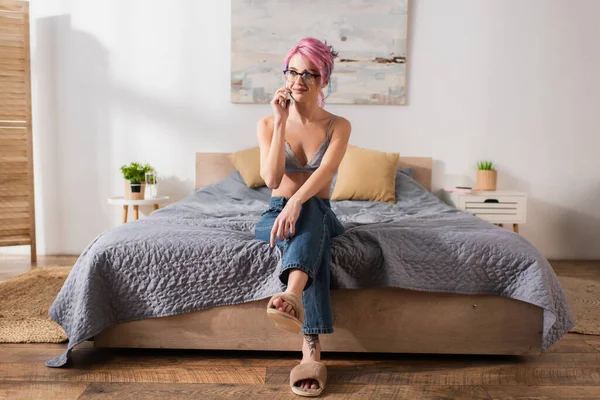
<point x="495" y="209"/>
<point x="501" y="218"/>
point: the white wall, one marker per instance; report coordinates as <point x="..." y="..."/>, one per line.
<point x="514" y="81"/>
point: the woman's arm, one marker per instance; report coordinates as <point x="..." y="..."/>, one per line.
<point x="330" y="163"/>
<point x="271" y="139"/>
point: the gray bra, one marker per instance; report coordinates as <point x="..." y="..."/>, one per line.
<point x="293" y="165"/>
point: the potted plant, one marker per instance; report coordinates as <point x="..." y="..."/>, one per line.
<point x="135" y="175"/>
<point x="486" y="176"/>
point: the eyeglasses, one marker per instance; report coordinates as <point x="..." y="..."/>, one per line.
<point x="307" y="77"/>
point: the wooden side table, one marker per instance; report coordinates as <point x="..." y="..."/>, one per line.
<point x="136" y="204"/>
<point x="497" y="207"/>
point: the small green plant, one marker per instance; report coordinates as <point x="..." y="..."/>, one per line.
<point x="485" y="165"/>
<point x="136" y="172"/>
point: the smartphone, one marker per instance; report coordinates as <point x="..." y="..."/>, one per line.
<point x="288" y="95"/>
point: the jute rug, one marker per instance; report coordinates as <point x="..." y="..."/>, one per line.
<point x="24" y="304"/>
<point x="25" y="300"/>
<point x="583" y="296"/>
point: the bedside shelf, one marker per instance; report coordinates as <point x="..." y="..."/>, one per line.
<point x="136" y="203"/>
<point x="496" y="207"/>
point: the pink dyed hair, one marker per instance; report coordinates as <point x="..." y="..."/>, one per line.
<point x="320" y="55"/>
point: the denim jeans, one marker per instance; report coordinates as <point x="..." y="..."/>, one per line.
<point x="310" y="251"/>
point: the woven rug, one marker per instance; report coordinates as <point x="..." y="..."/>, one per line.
<point x="583" y="296"/>
<point x="27" y="297"/>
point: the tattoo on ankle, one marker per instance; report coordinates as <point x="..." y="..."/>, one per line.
<point x="312" y="341"/>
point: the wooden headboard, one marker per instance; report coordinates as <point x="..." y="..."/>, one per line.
<point x="212" y="167"/>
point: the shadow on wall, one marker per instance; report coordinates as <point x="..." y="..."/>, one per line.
<point x="174" y="187"/>
<point x="438" y="177"/>
<point x="79" y="145"/>
<point x="46" y="168"/>
<point x="567" y="233"/>
<point x="71" y="123"/>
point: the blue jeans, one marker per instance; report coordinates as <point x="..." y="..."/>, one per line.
<point x="310" y="251"/>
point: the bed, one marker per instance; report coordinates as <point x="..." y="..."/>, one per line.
<point x="429" y="278"/>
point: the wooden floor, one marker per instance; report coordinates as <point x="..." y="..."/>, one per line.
<point x="571" y="370"/>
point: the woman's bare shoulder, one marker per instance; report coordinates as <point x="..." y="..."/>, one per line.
<point x="341" y="122"/>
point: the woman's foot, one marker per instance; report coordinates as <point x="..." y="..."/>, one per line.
<point x="311" y="348"/>
<point x="296" y="283"/>
<point x="311" y="351"/>
<point x="286" y="307"/>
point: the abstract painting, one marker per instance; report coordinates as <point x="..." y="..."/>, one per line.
<point x="369" y="35"/>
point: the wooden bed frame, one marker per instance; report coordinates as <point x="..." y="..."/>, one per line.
<point x="388" y="320"/>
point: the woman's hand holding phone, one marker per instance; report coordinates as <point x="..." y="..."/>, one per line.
<point x="281" y="103"/>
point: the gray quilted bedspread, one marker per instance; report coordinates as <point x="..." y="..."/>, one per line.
<point x="200" y="252"/>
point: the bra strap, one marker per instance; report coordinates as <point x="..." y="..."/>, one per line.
<point x="329" y="127"/>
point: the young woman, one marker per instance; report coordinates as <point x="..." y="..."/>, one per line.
<point x="301" y="147"/>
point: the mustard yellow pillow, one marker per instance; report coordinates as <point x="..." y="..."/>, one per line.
<point x="247" y="162"/>
<point x="366" y="174"/>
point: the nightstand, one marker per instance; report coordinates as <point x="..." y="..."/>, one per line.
<point x="498" y="207"/>
<point x="136" y="203"/>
